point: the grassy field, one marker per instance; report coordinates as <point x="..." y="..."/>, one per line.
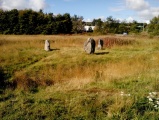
<point x="120" y="82"/>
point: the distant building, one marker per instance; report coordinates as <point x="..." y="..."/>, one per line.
<point x="125" y="33"/>
<point x="89" y="28"/>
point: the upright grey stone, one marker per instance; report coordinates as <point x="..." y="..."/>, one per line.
<point x="89" y="46"/>
<point x="100" y="44"/>
<point x="47" y="45"/>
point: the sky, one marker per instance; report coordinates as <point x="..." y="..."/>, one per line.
<point x="123" y="10"/>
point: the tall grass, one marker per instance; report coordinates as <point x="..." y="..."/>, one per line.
<point x="67" y="83"/>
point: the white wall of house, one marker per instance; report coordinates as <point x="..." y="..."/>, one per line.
<point x="86" y="28"/>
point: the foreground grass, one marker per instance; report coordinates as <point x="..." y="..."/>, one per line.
<point x="67" y="83"/>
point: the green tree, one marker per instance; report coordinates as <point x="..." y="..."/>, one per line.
<point x="98" y="23"/>
<point x="24" y="21"/>
<point x="123" y="27"/>
<point x="3" y="21"/>
<point x="41" y="22"/>
<point x="63" y="23"/>
<point x="153" y="27"/>
<point x="13" y="20"/>
<point x="47" y="24"/>
<point x="111" y="25"/>
<point x="32" y="22"/>
<point x="134" y="27"/>
<point x="77" y="24"/>
<point x="59" y="22"/>
<point x="67" y="23"/>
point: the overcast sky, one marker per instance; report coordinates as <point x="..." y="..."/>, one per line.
<point x="140" y="10"/>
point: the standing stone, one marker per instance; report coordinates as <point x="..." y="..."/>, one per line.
<point x="89" y="46"/>
<point x="100" y="44"/>
<point x="47" y="45"/>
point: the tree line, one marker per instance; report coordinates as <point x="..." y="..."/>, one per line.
<point x="33" y="22"/>
<point x="111" y="25"/>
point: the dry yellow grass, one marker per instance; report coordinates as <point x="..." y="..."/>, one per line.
<point x="75" y="84"/>
<point x="67" y="61"/>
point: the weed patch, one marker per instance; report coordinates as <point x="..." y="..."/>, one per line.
<point x="111" y="41"/>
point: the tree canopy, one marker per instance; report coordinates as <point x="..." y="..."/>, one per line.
<point x="153" y="27"/>
<point x="32" y="22"/>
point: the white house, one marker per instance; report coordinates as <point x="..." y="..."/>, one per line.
<point x="87" y="28"/>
